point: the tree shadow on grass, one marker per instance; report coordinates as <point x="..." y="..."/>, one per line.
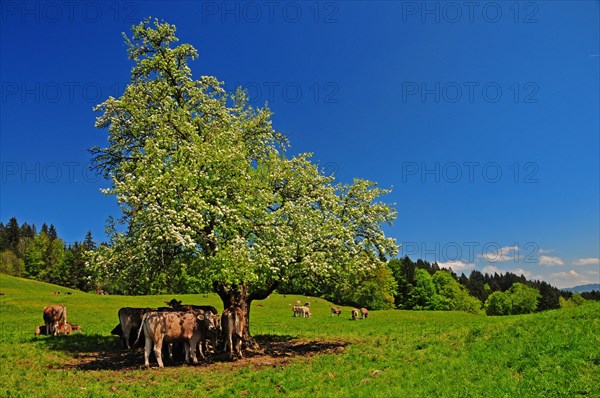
<point x="98" y="352"/>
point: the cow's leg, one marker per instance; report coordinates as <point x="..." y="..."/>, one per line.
<point x="201" y="347"/>
<point x="147" y="349"/>
<point x="126" y="332"/>
<point x="238" y="347"/>
<point x="158" y="352"/>
<point x="191" y="348"/>
<point x="170" y="345"/>
<point x="228" y="345"/>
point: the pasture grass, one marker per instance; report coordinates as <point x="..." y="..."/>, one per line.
<point x="391" y="354"/>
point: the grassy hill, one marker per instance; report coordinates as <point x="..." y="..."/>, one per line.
<point x="391" y="354"/>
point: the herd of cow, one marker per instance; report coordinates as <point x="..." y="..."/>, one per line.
<point x="192" y="325"/>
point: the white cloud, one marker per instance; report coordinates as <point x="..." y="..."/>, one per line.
<point x="457" y="265"/>
<point x="506" y="253"/>
<point x="545" y="251"/>
<point x="569" y="279"/>
<point x="587" y="261"/>
<point x="550" y="261"/>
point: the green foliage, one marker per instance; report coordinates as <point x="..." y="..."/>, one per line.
<point x="575" y="300"/>
<point x="11" y="264"/>
<point x="423" y="296"/>
<point x="498" y="303"/>
<point x="454" y="296"/>
<point x="519" y="299"/>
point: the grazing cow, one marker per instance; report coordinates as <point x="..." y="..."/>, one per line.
<point x="54" y="316"/>
<point x="296" y="310"/>
<point x="364" y="313"/>
<point x="307" y="304"/>
<point x="55" y="293"/>
<point x="233" y="324"/>
<point x="305" y="311"/>
<point x="354" y="314"/>
<point x="168" y="327"/>
<point x="130" y="320"/>
<point x="336" y="311"/>
<point x="68" y="293"/>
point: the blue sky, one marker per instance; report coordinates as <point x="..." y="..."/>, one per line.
<point x="483" y="118"/>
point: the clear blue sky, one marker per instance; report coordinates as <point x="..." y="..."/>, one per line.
<point x="484" y="119"/>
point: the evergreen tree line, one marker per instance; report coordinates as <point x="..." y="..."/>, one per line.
<point x="25" y="252"/>
<point x="403" y="284"/>
<point x="422" y="285"/>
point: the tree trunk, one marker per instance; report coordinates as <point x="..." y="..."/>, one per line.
<point x="240" y="297"/>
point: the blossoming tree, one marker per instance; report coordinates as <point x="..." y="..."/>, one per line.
<point x="209" y="194"/>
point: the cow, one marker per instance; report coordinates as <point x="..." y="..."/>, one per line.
<point x="336" y="311"/>
<point x="364" y="313"/>
<point x="179" y="306"/>
<point x="130" y="320"/>
<point x="233" y="323"/>
<point x="54" y="316"/>
<point x="354" y="314"/>
<point x="168" y="327"/>
<point x="296" y="310"/>
<point x="305" y="311"/>
<point x="67" y="328"/>
<point x="55" y="293"/>
<point x="173" y="303"/>
<point x="298" y="303"/>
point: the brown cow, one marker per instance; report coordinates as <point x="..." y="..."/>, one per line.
<point x="67" y="328"/>
<point x="336" y="311"/>
<point x="354" y="314"/>
<point x="130" y="320"/>
<point x="364" y="313"/>
<point x="168" y="327"/>
<point x="54" y="316"/>
<point x="233" y="324"/>
<point x="179" y="306"/>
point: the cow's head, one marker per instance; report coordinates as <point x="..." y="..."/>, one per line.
<point x="173" y="303"/>
<point x="208" y="320"/>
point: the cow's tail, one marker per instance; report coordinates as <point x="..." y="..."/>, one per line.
<point x="142" y="323"/>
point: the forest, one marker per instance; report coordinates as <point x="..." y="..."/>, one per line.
<point x="404" y="284"/>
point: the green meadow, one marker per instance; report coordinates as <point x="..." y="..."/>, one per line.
<point x="391" y="354"/>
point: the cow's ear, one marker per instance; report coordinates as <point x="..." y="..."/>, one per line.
<point x="200" y="317"/>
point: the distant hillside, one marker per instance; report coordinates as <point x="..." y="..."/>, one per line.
<point x="584" y="288"/>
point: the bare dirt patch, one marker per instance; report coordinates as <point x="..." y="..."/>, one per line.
<point x="271" y="351"/>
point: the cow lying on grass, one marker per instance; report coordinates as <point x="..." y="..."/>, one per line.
<point x="67" y="328"/>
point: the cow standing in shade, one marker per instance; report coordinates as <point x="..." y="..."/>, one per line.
<point x="233" y="323"/>
<point x="168" y="327"/>
<point x="130" y="320"/>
